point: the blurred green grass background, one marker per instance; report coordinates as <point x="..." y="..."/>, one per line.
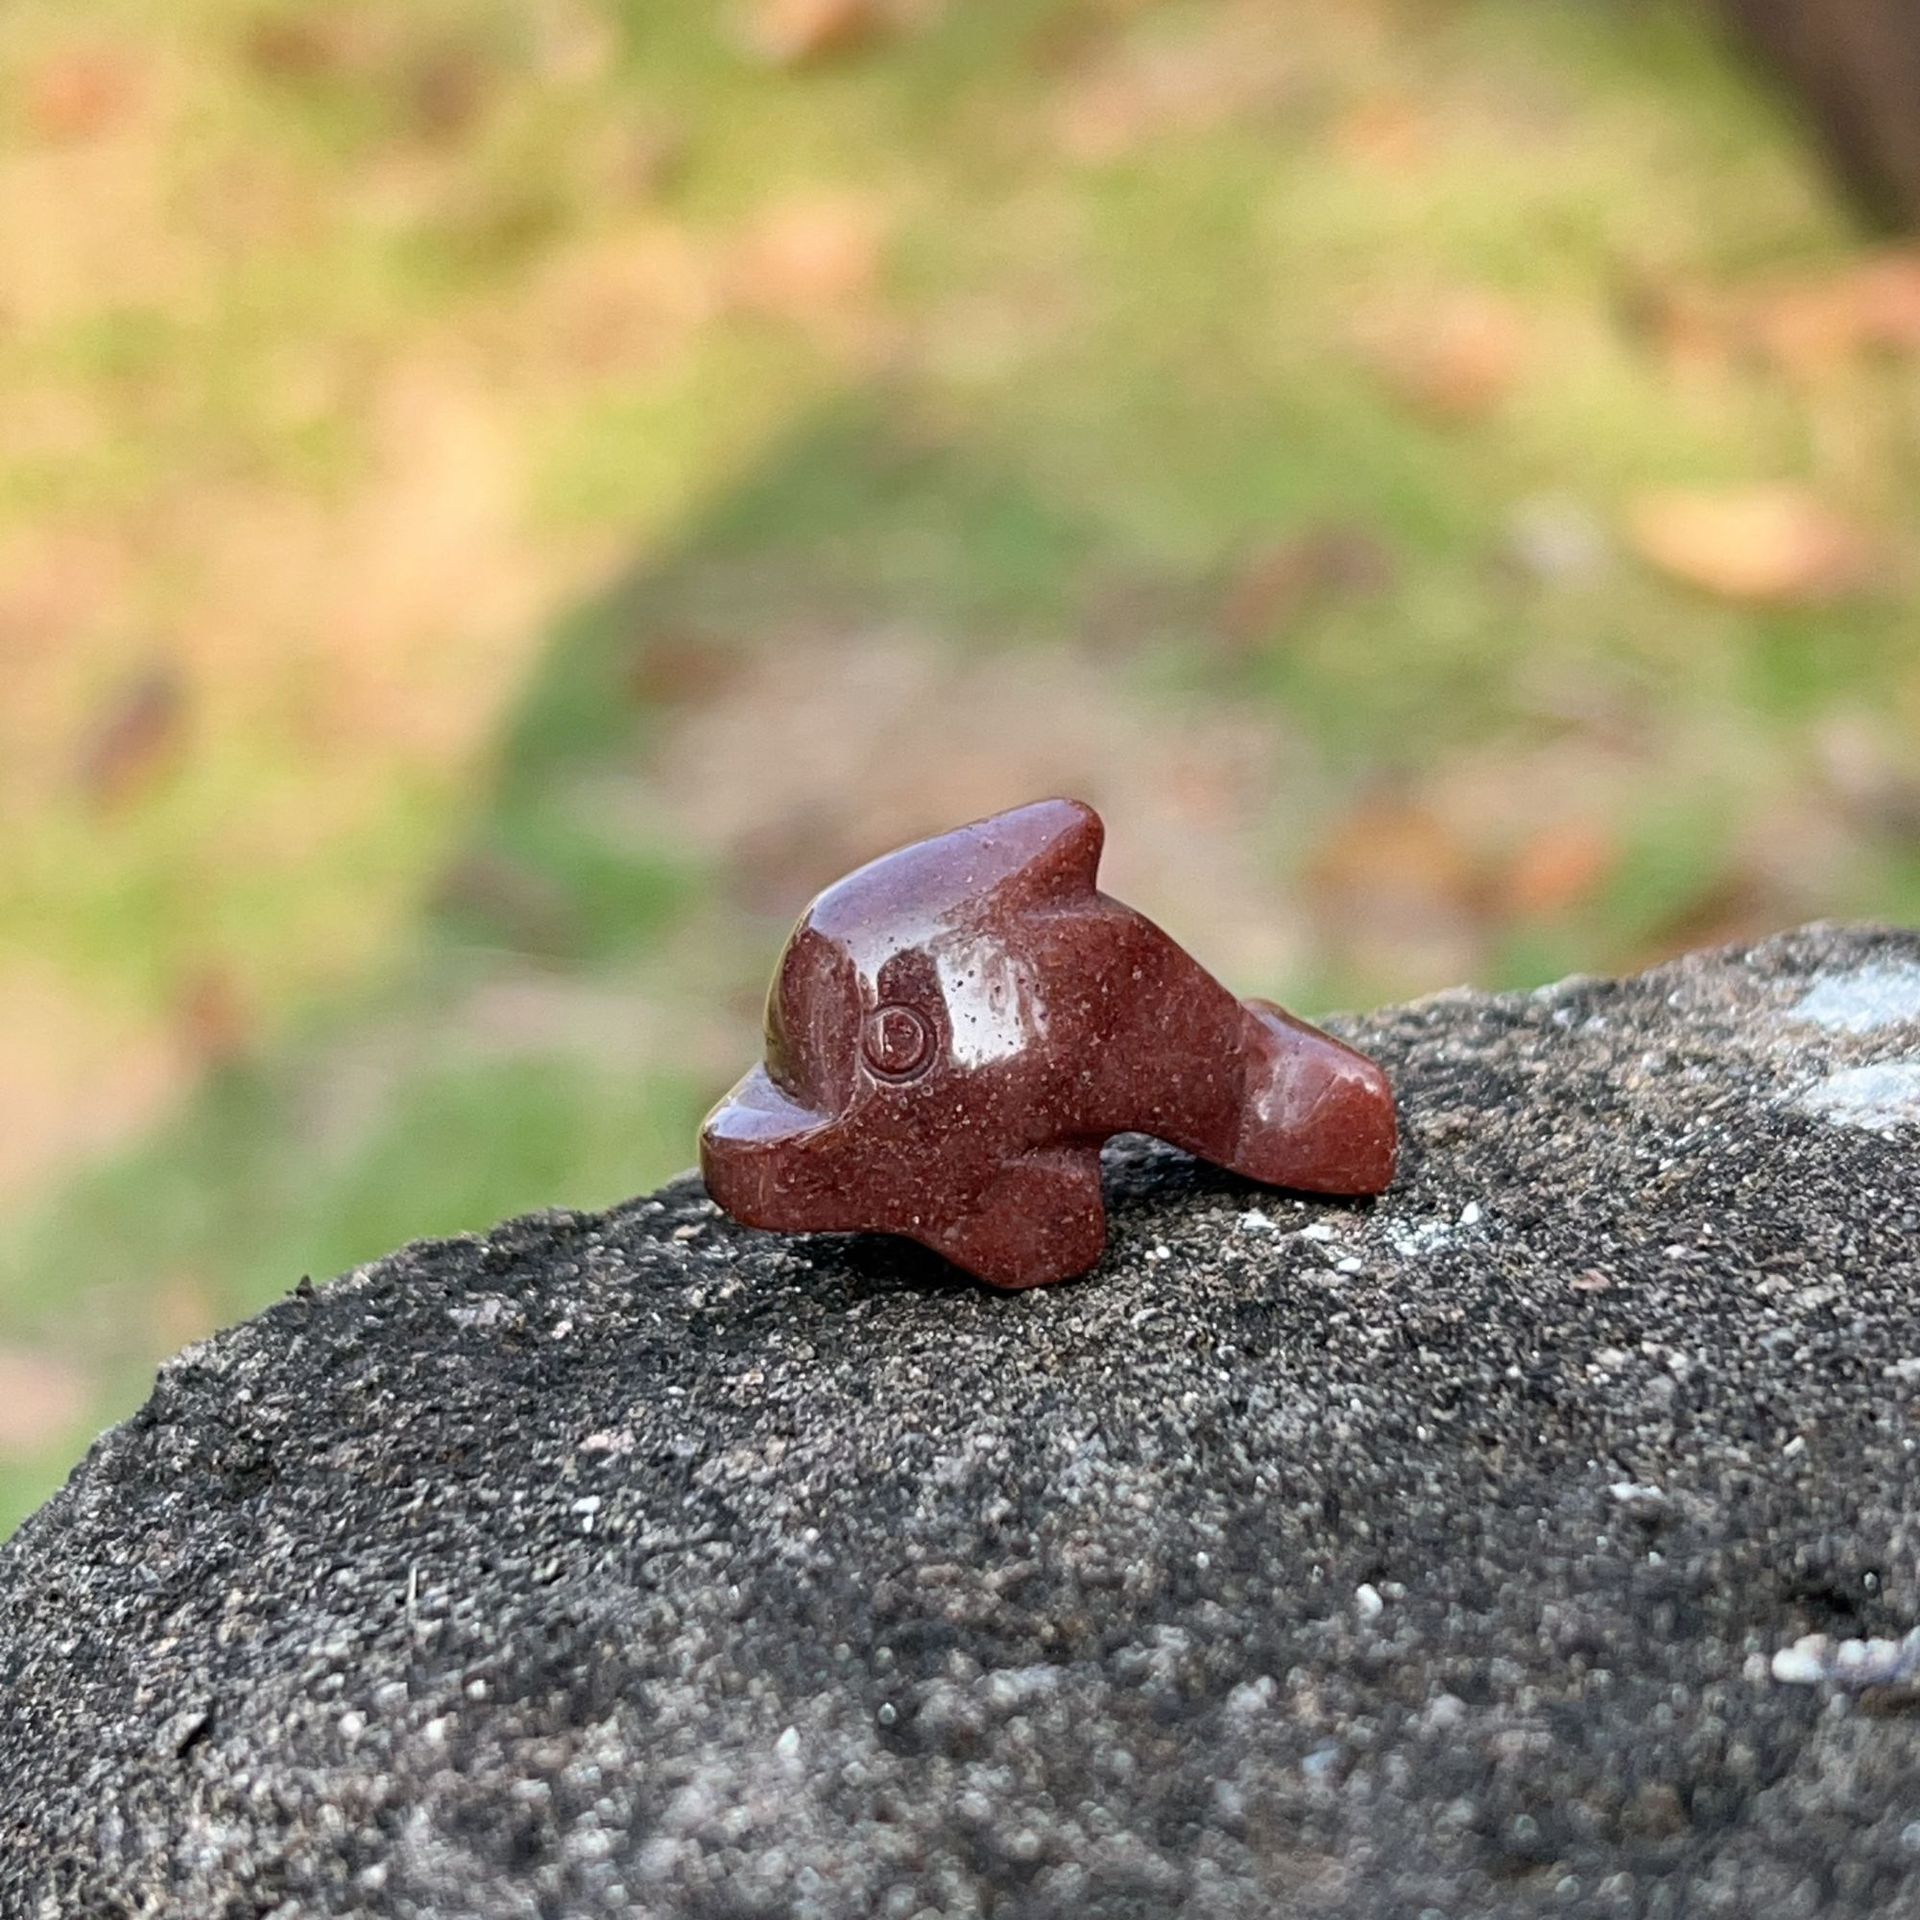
<point x="502" y="502"/>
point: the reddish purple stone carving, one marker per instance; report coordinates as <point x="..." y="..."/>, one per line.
<point x="954" y="1029"/>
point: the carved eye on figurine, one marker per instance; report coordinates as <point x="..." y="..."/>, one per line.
<point x="897" y="1041"/>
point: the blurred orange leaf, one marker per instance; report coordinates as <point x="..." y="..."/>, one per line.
<point x="1453" y="359"/>
<point x="1757" y="545"/>
<point x="1558" y="868"/>
<point x="214" y="1021"/>
<point x="1390" y="858"/>
<point x="1813" y="326"/>
<point x="1887" y="297"/>
<point x="807" y="255"/>
<point x="791" y="32"/>
<point x="1387" y="131"/>
<point x="81" y="93"/>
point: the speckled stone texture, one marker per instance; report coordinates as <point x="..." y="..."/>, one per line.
<point x="1423" y="1557"/>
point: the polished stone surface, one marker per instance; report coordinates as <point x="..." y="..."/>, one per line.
<point x="954" y="1030"/>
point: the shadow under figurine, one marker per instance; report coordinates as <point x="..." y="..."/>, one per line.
<point x="954" y="1029"/>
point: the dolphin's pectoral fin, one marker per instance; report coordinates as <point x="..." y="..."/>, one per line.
<point x="1042" y="1219"/>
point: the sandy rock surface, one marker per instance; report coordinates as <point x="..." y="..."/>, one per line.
<point x="1543" y="1538"/>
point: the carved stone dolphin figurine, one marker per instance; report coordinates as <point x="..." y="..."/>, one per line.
<point x="954" y="1029"/>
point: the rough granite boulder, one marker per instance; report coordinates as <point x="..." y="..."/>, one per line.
<point x="1543" y="1538"/>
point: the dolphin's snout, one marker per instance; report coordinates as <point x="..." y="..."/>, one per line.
<point x="757" y="1114"/>
<point x="760" y="1152"/>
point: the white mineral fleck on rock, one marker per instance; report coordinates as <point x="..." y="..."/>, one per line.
<point x="1630" y="1494"/>
<point x="1801" y="1664"/>
<point x="1252" y="1696"/>
<point x="1254" y="1221"/>
<point x="1366" y="1598"/>
<point x="1855" y="1664"/>
<point x="1318" y="1231"/>
<point x="1864" y="1000"/>
<point x="1421" y="1237"/>
<point x="1880" y="1098"/>
<point x="488" y="1311"/>
<point x="1470" y="1214"/>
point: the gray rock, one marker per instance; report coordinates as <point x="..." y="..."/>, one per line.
<point x="1423" y="1558"/>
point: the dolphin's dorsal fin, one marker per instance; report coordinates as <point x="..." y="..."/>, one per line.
<point x="1042" y="856"/>
<point x="1049" y="853"/>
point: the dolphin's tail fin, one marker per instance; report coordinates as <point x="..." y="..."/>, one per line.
<point x="1317" y="1116"/>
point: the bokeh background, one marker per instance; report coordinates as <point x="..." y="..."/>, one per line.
<point x="500" y="501"/>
